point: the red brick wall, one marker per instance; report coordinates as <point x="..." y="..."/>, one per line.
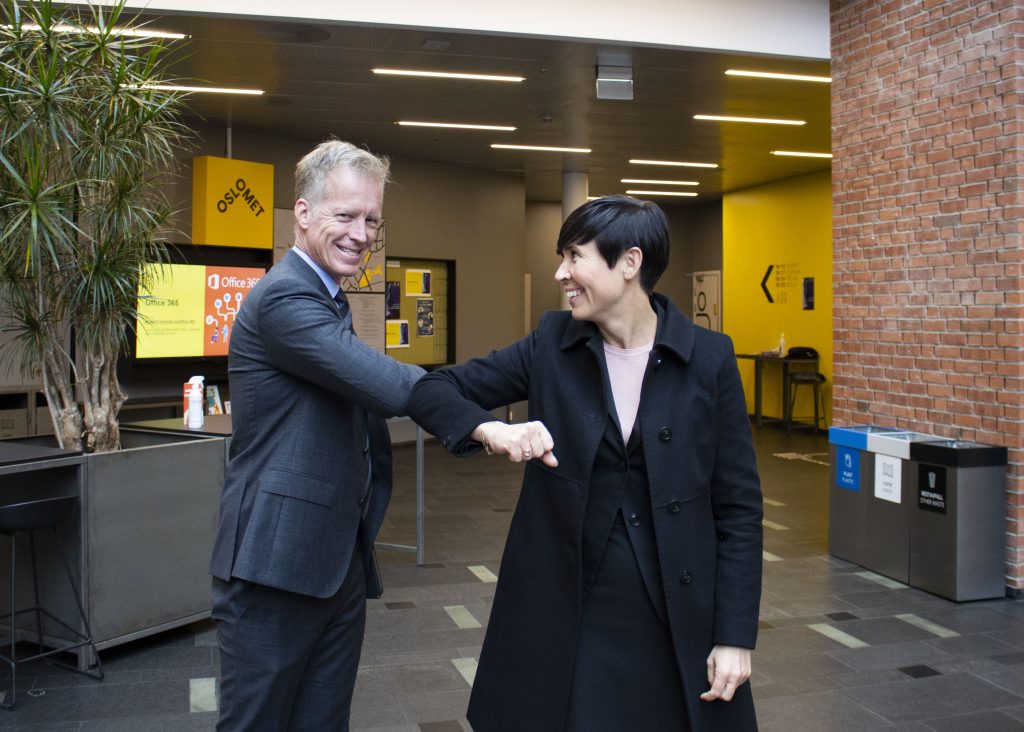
<point x="928" y="224"/>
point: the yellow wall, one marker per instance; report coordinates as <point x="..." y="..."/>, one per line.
<point x="788" y="225"/>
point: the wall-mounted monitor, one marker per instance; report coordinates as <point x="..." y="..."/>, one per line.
<point x="188" y="310"/>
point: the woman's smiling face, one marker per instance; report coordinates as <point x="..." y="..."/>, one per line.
<point x="591" y="286"/>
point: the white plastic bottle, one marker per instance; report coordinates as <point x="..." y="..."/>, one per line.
<point x="782" y="344"/>
<point x="195" y="403"/>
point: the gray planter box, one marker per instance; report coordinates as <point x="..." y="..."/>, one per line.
<point x="144" y="537"/>
<point x="150" y="513"/>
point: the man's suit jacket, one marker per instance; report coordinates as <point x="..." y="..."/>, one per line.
<point x="301" y="387"/>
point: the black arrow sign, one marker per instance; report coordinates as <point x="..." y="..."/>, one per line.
<point x="764" y="283"/>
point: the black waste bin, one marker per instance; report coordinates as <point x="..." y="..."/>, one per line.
<point x="958" y="520"/>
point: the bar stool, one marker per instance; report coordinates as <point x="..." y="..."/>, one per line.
<point x="28" y="518"/>
<point x="814" y="379"/>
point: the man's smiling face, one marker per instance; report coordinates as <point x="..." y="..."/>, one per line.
<point x="337" y="231"/>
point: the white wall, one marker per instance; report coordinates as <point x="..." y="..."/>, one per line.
<point x="778" y="27"/>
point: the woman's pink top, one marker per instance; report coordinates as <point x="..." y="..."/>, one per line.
<point x="626" y="368"/>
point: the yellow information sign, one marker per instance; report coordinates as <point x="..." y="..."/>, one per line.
<point x="232" y="203"/>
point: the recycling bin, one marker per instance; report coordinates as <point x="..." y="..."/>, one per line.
<point x="887" y="516"/>
<point x="958" y="519"/>
<point x="850" y="476"/>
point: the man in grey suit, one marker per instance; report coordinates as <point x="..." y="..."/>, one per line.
<point x="309" y="475"/>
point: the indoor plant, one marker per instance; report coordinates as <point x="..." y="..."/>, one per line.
<point x="85" y="142"/>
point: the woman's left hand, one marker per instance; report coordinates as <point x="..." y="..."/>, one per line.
<point x="519" y="442"/>
<point x="728" y="669"/>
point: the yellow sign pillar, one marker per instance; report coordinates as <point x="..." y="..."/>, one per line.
<point x="232" y="203"/>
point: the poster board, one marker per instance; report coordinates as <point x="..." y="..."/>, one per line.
<point x="418" y="311"/>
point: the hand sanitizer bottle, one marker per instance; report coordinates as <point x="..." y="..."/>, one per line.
<point x="782" y="345"/>
<point x="195" y="403"/>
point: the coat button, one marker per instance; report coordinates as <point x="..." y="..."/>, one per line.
<point x="634" y="520"/>
<point x="673" y="506"/>
<point x="620" y="468"/>
<point x="685" y="577"/>
<point x="665" y="434"/>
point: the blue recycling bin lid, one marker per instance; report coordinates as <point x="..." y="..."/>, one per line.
<point x="958" y="454"/>
<point x="855" y="436"/>
<point x="896" y="444"/>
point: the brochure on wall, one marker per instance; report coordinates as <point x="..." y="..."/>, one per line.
<point x="417" y="282"/>
<point x="425" y="318"/>
<point x="397" y="334"/>
<point x="392" y="300"/>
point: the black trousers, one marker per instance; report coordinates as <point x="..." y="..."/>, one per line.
<point x="288" y="662"/>
<point x="625" y="676"/>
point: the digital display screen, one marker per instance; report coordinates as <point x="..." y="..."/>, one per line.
<point x="189" y="310"/>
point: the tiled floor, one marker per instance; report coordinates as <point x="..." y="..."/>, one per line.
<point x="840" y="648"/>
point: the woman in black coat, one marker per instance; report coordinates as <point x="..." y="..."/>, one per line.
<point x="629" y="588"/>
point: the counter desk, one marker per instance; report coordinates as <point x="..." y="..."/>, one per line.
<point x="760" y="359"/>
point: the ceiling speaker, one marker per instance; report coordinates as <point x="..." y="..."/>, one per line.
<point x="615" y="82"/>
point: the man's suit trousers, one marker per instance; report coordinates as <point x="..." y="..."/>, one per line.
<point x="289" y="661"/>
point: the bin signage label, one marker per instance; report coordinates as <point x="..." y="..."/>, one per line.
<point x="931" y="488"/>
<point x="848" y="468"/>
<point x="888" y="477"/>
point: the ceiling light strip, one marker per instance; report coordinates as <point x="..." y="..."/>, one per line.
<point x="127" y="32"/>
<point x="673" y="163"/>
<point x="643" y="181"/>
<point x="448" y="75"/>
<point x="660" y="193"/>
<point x="775" y="75"/>
<point x="200" y="89"/>
<point x="754" y="120"/>
<point x="455" y="125"/>
<point x="799" y="154"/>
<point x="542" y="148"/>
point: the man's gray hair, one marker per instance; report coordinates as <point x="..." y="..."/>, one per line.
<point x="312" y="171"/>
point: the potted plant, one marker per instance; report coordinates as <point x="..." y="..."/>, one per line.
<point x="86" y="139"/>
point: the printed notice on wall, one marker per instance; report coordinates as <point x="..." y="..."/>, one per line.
<point x="888" y="476"/>
<point x="366" y="318"/>
<point x="425" y="318"/>
<point x="397" y="333"/>
<point x="417" y="282"/>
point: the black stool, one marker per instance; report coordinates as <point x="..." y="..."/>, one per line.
<point x="27" y="518"/>
<point x="814" y="379"/>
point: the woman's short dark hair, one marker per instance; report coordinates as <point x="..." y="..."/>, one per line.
<point x="617" y="223"/>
